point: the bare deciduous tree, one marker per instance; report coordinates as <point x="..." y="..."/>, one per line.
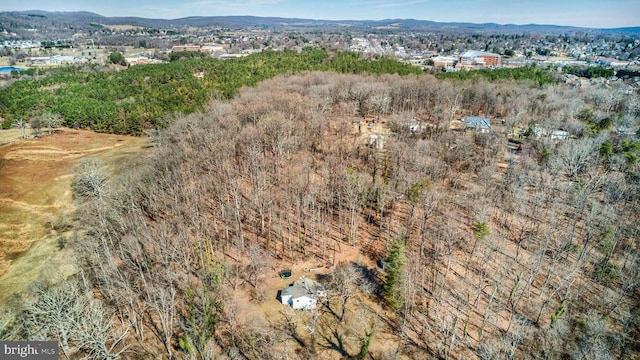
<point x="51" y="120"/>
<point x="90" y="180"/>
<point x="80" y="323"/>
<point x="22" y="125"/>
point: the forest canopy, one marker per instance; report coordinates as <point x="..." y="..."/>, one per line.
<point x="486" y="253"/>
<point x="532" y="73"/>
<point x="141" y="97"/>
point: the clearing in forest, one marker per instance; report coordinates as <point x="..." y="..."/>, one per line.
<point x="36" y="201"/>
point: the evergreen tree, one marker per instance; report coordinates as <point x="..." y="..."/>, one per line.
<point x="394" y="265"/>
<point x="117" y="58"/>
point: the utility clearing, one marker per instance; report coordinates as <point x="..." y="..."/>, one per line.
<point x="36" y="202"/>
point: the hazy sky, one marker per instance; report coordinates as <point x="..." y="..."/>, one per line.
<point x="587" y="13"/>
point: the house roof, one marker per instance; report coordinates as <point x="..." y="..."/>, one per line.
<point x="474" y="54"/>
<point x="559" y="134"/>
<point x="303" y="287"/>
<point x="539" y="131"/>
<point x="624" y="130"/>
<point x="478" y="122"/>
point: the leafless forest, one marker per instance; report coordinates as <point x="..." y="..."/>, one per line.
<point x="528" y="254"/>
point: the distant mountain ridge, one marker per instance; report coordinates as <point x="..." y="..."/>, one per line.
<point x="81" y="18"/>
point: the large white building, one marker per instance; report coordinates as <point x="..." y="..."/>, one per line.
<point x="473" y="57"/>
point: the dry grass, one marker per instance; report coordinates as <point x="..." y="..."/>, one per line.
<point x="9" y="135"/>
<point x="35" y="198"/>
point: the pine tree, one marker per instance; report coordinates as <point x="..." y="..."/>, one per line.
<point x="394" y="264"/>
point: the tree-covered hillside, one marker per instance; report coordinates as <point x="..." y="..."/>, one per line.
<point x="531" y="73"/>
<point x="143" y="97"/>
<point x="432" y="243"/>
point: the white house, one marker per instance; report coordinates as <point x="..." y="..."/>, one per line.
<point x="627" y="131"/>
<point x="417" y="128"/>
<point x="302" y="294"/>
<point x="559" y="135"/>
<point x="376" y="141"/>
<point x="539" y="132"/>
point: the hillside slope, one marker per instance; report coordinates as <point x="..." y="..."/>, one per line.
<point x="488" y="254"/>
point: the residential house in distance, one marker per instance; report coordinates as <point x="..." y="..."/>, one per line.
<point x="473" y="57"/>
<point x="302" y="294"/>
<point x="623" y="130"/>
<point x="559" y="135"/>
<point x="538" y="132"/>
<point x="137" y="60"/>
<point x="415" y="128"/>
<point x="40" y="60"/>
<point x="479" y="124"/>
<point x="188" y="47"/>
<point x="58" y="60"/>
<point x="612" y="62"/>
<point x="376" y="141"/>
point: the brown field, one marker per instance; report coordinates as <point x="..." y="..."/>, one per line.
<point x="36" y="201"/>
<point x="9" y="136"/>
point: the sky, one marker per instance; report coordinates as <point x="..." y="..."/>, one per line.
<point x="584" y="13"/>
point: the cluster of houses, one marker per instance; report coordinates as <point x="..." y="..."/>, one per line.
<point x="19" y="44"/>
<point x="75" y="60"/>
<point x="141" y="60"/>
<point x="539" y="132"/>
<point x="213" y="50"/>
<point x="483" y="125"/>
<point x="194" y="47"/>
<point x="625" y="86"/>
<point x="59" y="60"/>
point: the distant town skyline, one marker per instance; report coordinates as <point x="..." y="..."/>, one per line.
<point x="582" y="13"/>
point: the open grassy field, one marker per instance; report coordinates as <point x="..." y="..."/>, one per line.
<point x="9" y="135"/>
<point x="36" y="201"/>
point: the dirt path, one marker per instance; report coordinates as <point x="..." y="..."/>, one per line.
<point x="29" y="207"/>
<point x="45" y="153"/>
